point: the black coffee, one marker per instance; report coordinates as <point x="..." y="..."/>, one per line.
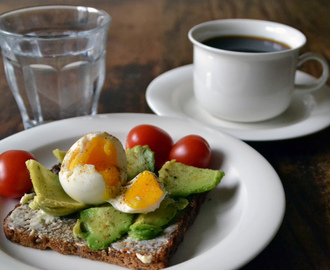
<point x="246" y="44"/>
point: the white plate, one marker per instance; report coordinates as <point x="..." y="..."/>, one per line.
<point x="171" y="94"/>
<point x="237" y="221"/>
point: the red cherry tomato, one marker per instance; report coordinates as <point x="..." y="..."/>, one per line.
<point x="158" y="140"/>
<point x="14" y="176"/>
<point x="192" y="150"/>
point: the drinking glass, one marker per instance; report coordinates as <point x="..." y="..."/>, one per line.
<point x="54" y="60"/>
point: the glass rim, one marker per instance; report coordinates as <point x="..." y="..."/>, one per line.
<point x="82" y="32"/>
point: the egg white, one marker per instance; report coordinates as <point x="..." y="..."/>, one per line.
<point x="84" y="183"/>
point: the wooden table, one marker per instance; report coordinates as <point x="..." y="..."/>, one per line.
<point x="147" y="38"/>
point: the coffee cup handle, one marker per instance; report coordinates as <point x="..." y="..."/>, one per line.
<point x="318" y="82"/>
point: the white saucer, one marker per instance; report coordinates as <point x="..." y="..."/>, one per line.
<point x="171" y="94"/>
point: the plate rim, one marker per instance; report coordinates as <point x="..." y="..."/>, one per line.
<point x="248" y="256"/>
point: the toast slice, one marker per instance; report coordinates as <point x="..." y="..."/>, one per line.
<point x="33" y="228"/>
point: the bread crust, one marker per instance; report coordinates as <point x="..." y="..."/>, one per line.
<point x="58" y="236"/>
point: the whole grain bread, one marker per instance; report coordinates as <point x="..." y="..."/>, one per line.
<point x="32" y="228"/>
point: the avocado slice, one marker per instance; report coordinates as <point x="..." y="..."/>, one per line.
<point x="181" y="180"/>
<point x="141" y="231"/>
<point x="139" y="159"/>
<point x="59" y="155"/>
<point x="150" y="225"/>
<point x="50" y="196"/>
<point x="101" y="226"/>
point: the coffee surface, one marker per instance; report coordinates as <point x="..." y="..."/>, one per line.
<point x="245" y="44"/>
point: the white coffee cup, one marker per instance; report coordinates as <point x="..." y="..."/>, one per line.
<point x="245" y="86"/>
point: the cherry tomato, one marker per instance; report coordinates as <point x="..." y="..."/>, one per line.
<point x="14" y="176"/>
<point x="192" y="150"/>
<point x="158" y="140"/>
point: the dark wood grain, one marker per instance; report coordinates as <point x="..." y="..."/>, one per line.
<point x="147" y="38"/>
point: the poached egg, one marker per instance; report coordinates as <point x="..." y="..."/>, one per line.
<point x="143" y="194"/>
<point x="94" y="168"/>
<point x="94" y="171"/>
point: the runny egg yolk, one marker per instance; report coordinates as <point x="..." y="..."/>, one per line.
<point x="101" y="153"/>
<point x="144" y="192"/>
